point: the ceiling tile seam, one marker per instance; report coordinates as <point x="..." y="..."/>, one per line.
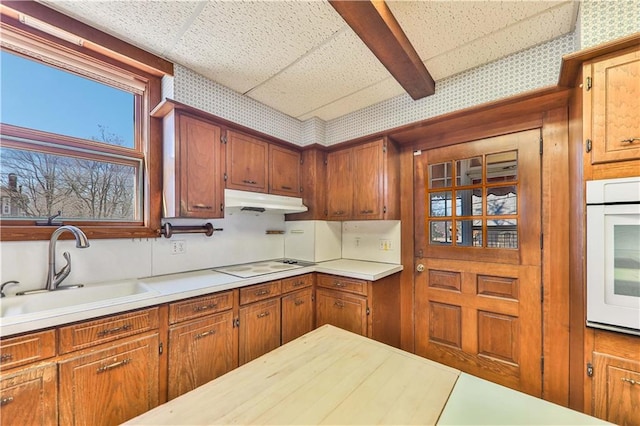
<point x="184" y="28"/>
<point x="502" y="29"/>
<point x="300" y="58"/>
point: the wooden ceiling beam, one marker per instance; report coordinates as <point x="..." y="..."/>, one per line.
<point x="374" y="23"/>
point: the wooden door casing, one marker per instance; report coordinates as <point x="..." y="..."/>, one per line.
<point x="339" y="185"/>
<point x="247" y="163"/>
<point x="29" y="396"/>
<point x="259" y="330"/>
<point x="284" y="171"/>
<point x="479" y="309"/>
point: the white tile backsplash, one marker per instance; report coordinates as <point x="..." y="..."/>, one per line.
<point x="313" y="240"/>
<point x="373" y="240"/>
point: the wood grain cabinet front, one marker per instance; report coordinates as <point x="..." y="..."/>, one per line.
<point x="29" y="396"/>
<point x="259" y="329"/>
<point x="110" y="385"/>
<point x="247" y="162"/>
<point x="284" y="171"/>
<point x="341" y="309"/>
<point x="297" y="314"/>
<point x="26" y="349"/>
<point x="612" y="107"/>
<point x="616" y="389"/>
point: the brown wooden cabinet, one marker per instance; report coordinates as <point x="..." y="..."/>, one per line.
<point x="259" y="320"/>
<point x="109" y="384"/>
<point x="612" y="107"/>
<point x="193" y="167"/>
<point x="363" y="182"/>
<point x="616" y="389"/>
<point x="297" y="307"/>
<point x="247" y="162"/>
<point x="29" y="396"/>
<point x="313" y="175"/>
<point x="364" y="307"/>
<point x="27" y="349"/>
<point x="202" y="341"/>
<point x="284" y="171"/>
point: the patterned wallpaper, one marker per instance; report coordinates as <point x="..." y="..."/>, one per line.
<point x="533" y="68"/>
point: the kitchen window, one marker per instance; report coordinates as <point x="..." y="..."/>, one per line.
<point x="75" y="141"/>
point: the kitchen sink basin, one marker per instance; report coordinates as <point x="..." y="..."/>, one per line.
<point x="101" y="294"/>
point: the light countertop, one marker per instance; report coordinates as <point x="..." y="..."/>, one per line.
<point x="174" y="287"/>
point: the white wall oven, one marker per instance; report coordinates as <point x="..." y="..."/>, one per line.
<point x="613" y="254"/>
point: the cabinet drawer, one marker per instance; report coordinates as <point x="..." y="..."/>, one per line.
<point x="22" y="350"/>
<point x="345" y="284"/>
<point x="91" y="333"/>
<point x="201" y="306"/>
<point x="260" y="292"/>
<point x="296" y="283"/>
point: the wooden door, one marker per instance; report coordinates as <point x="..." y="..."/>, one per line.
<point x="110" y="386"/>
<point x="478" y="223"/>
<point x="339" y="185"/>
<point x="368" y="180"/>
<point x="247" y="160"/>
<point x="616" y="389"/>
<point x="284" y="171"/>
<point x="201" y="169"/>
<point x="259" y="329"/>
<point x="200" y="351"/>
<point x="297" y="314"/>
<point x="29" y="396"/>
<point x="613" y="105"/>
<point x="341" y="309"/>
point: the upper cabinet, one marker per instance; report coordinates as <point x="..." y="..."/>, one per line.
<point x="284" y="171"/>
<point x="363" y="182"/>
<point x="612" y="107"/>
<point x="193" y="167"/>
<point x="247" y="163"/>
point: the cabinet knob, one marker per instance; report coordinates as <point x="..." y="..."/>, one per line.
<point x="420" y="267"/>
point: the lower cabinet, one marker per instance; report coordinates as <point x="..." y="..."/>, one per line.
<point x="199" y="351"/>
<point x="616" y="389"/>
<point x="341" y="309"/>
<point x="259" y="330"/>
<point x="297" y="314"/>
<point x="111" y="385"/>
<point x="29" y="396"/>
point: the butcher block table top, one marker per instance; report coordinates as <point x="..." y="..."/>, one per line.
<point x="328" y="376"/>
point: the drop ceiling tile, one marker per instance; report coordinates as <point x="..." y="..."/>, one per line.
<point x="435" y="27"/>
<point x="385" y="89"/>
<point x="527" y="33"/>
<point x="142" y="23"/>
<point x="240" y="44"/>
<point x="336" y="69"/>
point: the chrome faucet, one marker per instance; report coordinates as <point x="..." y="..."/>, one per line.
<point x="55" y="278"/>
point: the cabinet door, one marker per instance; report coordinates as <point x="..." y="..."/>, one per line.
<point x="200" y="351"/>
<point x="368" y="180"/>
<point x="615" y="108"/>
<point x="616" y="384"/>
<point x="22" y="350"/>
<point x="201" y="169"/>
<point x="247" y="160"/>
<point x="297" y="314"/>
<point x="339" y="185"/>
<point x="284" y="171"/>
<point x="110" y="386"/>
<point x="259" y="329"/>
<point x="29" y="397"/>
<point x="341" y="309"/>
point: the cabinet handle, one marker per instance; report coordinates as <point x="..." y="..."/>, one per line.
<point x="263" y="314"/>
<point x="630" y="140"/>
<point x="201" y="206"/>
<point x="366" y="211"/>
<point x="250" y="182"/>
<point x="205" y="307"/>
<point x="106" y="331"/>
<point x="299" y="302"/>
<point x="5" y="357"/>
<point x="262" y="292"/>
<point x="338" y="304"/>
<point x="205" y="334"/>
<point x="298" y="283"/>
<point x="5" y="401"/>
<point x="633" y="382"/>
<point x="338" y="212"/>
<point x="288" y="188"/>
<point x="114" y="365"/>
<point x="339" y="284"/>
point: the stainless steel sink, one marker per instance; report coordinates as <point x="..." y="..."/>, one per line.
<point x="120" y="292"/>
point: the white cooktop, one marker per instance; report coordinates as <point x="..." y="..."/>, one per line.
<point x="248" y="270"/>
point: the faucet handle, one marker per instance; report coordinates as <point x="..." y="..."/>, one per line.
<point x="6" y="283"/>
<point x="64" y="271"/>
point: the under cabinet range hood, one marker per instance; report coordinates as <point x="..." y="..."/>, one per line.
<point x="262" y="203"/>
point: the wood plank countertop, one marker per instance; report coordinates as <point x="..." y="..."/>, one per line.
<point x="328" y="376"/>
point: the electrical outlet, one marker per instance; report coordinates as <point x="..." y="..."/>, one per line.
<point x="178" y="247"/>
<point x="385" y="245"/>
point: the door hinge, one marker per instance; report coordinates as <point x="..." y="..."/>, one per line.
<point x="226" y="177"/>
<point x="326" y="212"/>
<point x="313" y="298"/>
<point x="589" y="145"/>
<point x="368" y="311"/>
<point x="301" y="160"/>
<point x="588" y="84"/>
<point x="542" y="294"/>
<point x="384" y="148"/>
<point x="541" y="146"/>
<point x="221" y="207"/>
<point x="542" y="364"/>
<point x="384" y="209"/>
<point x="541" y="241"/>
<point x="160" y="348"/>
<point x="236" y="322"/>
<point x="223" y="139"/>
<point x="589" y="369"/>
